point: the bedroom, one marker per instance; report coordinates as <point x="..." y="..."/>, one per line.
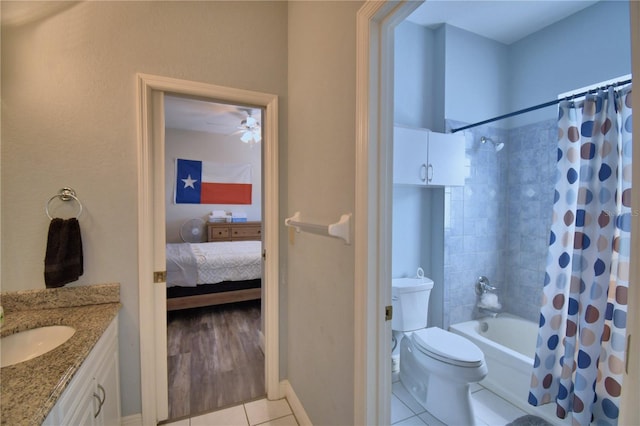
<point x="220" y="300"/>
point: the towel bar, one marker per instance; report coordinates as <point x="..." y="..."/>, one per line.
<point x="340" y="229"/>
<point x="65" y="194"/>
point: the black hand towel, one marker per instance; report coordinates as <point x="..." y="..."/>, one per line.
<point x="63" y="260"/>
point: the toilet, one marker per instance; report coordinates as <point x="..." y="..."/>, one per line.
<point x="436" y="367"/>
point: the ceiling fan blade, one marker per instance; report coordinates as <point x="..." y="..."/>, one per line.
<point x="246" y="137"/>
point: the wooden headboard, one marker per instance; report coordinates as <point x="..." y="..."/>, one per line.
<point x="234" y="231"/>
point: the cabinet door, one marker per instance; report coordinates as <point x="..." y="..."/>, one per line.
<point x="76" y="404"/>
<point x="107" y="388"/>
<point x="85" y="415"/>
<point x="446" y="159"/>
<point x="93" y="395"/>
<point x="409" y="156"/>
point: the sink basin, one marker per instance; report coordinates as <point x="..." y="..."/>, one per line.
<point x="28" y="344"/>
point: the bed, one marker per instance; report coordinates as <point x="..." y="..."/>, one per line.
<point x="226" y="269"/>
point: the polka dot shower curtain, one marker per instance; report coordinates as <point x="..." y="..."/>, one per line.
<point x="580" y="350"/>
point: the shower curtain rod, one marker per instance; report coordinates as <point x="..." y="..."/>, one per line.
<point x="540" y="106"/>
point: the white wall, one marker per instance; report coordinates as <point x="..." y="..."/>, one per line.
<point x="69" y="119"/>
<point x="321" y="159"/>
<point x="415" y="74"/>
<point x="411" y="230"/>
<point x="554" y="60"/>
<point x="473" y="78"/>
<point x="476" y="76"/>
<point x="216" y="148"/>
<point x="415" y="70"/>
<point x="446" y="72"/>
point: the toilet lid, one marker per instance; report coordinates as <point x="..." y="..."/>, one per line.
<point x="448" y="347"/>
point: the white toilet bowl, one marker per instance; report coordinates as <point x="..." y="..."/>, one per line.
<point x="437" y="368"/>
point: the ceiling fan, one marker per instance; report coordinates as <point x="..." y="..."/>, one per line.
<point x="250" y="129"/>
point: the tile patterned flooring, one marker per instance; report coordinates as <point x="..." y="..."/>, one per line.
<point x="260" y="412"/>
<point x="490" y="410"/>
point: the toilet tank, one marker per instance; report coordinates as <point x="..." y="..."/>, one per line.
<point x="410" y="301"/>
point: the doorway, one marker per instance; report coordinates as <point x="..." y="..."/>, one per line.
<point x="374" y="95"/>
<point x="214" y="316"/>
<point x="151" y="225"/>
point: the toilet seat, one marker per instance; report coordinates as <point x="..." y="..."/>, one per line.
<point x="447" y="347"/>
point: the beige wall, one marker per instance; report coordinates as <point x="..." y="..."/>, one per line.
<point x="321" y="157"/>
<point x="69" y="119"/>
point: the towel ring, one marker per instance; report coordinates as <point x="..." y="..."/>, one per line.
<point x="65" y="194"/>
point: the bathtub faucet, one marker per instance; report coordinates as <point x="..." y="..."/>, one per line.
<point x="484" y="286"/>
<point x="488" y="302"/>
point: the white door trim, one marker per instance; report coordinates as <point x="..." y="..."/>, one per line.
<point x="151" y="347"/>
<point x="374" y="121"/>
<point x="376" y="22"/>
<point x="629" y="411"/>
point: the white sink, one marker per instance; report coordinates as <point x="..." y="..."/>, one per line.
<point x="28" y="344"/>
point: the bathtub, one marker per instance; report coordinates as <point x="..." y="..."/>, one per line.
<point x="509" y="344"/>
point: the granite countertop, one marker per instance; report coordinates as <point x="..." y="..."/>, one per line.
<point x="31" y="388"/>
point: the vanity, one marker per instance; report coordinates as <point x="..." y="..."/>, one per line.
<point x="77" y="381"/>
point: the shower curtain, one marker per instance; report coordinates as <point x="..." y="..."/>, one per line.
<point x="580" y="350"/>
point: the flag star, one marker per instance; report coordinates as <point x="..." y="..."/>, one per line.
<point x="188" y="182"/>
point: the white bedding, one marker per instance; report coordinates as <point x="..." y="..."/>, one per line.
<point x="208" y="263"/>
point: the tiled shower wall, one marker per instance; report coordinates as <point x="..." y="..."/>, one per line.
<point x="497" y="225"/>
<point x="531" y="175"/>
<point x="475" y="224"/>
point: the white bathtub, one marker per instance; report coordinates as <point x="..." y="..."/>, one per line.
<point x="508" y="343"/>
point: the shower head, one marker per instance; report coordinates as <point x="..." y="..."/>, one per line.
<point x="496" y="145"/>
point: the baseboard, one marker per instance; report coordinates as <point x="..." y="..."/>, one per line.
<point x="294" y="402"/>
<point x="133" y="420"/>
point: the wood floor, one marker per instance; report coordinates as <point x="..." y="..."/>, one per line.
<point x="214" y="357"/>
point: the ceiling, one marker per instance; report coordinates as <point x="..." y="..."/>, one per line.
<point x="506" y="21"/>
<point x="203" y="116"/>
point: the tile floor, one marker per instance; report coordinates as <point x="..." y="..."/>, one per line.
<point x="260" y="412"/>
<point x="490" y="409"/>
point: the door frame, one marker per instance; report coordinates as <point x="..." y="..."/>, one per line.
<point x="375" y="25"/>
<point x="151" y="256"/>
<point x="374" y="157"/>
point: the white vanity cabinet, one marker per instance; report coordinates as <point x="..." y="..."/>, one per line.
<point x="426" y="158"/>
<point x="93" y="395"/>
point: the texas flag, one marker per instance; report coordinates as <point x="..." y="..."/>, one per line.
<point x="202" y="182"/>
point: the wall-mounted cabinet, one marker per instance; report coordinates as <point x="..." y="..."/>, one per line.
<point x="425" y="158"/>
